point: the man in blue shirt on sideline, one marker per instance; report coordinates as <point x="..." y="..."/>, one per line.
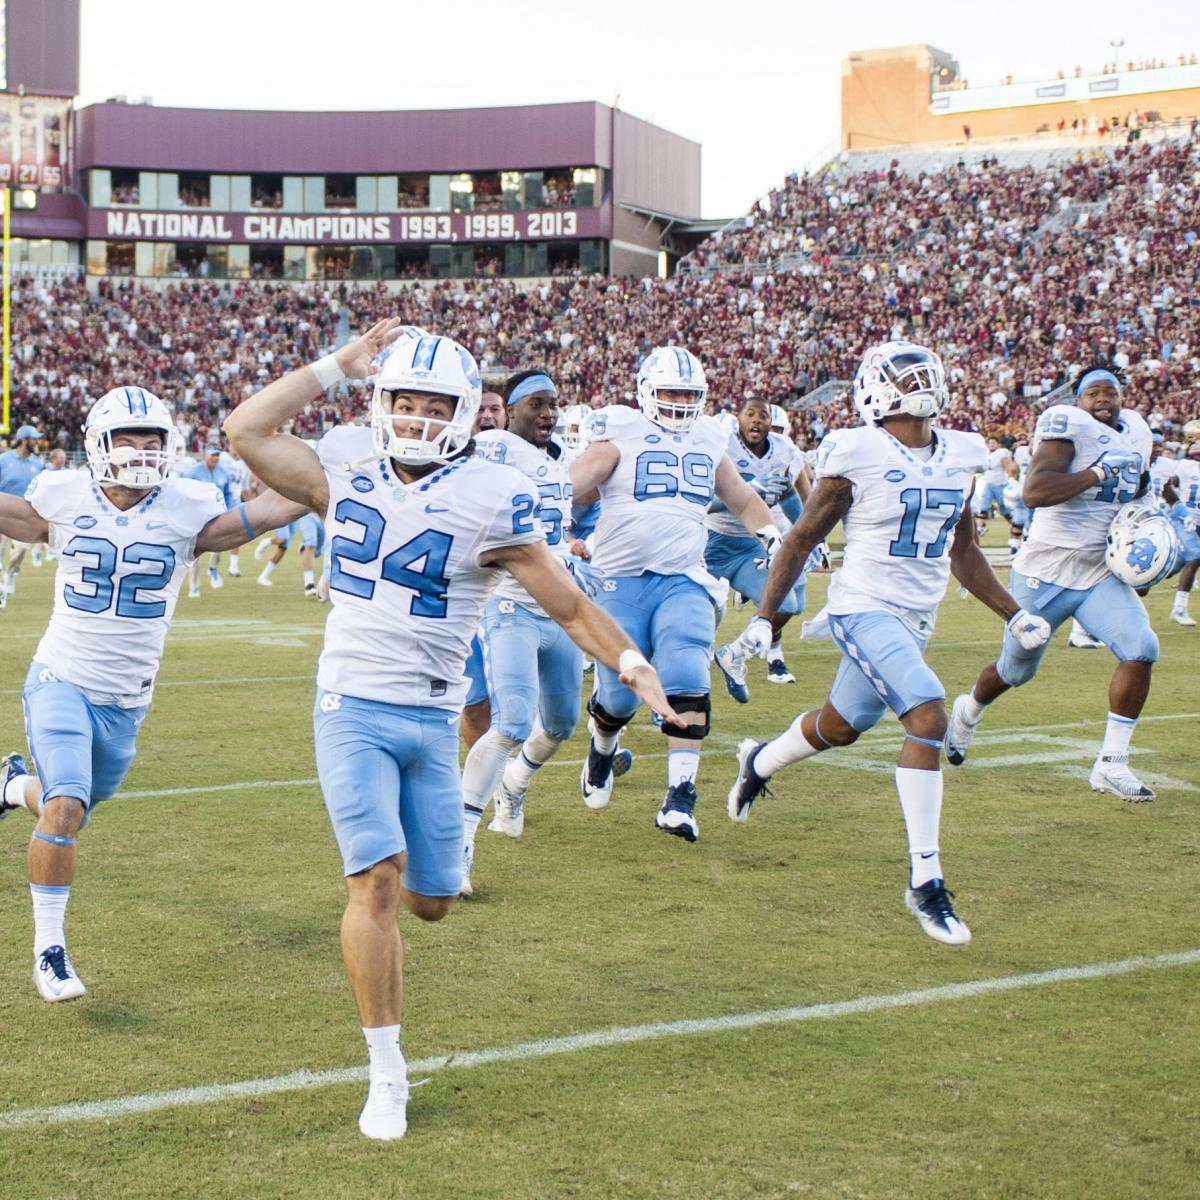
<point x="18" y="469"/>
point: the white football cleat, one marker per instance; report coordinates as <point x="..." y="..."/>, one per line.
<point x="733" y="667"/>
<point x="55" y="977"/>
<point x="262" y="549"/>
<point x="193" y="593"/>
<point x="678" y="813"/>
<point x="468" y="860"/>
<point x="1080" y="639"/>
<point x="214" y="577"/>
<point x="384" y="1117"/>
<point x="234" y="572"/>
<point x="959" y="732"/>
<point x="930" y="904"/>
<point x="777" y="672"/>
<point x="1111" y="774"/>
<point x="265" y="581"/>
<point x="748" y="785"/>
<point x="510" y="812"/>
<point x="1182" y="617"/>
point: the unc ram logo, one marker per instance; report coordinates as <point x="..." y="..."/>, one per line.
<point x="1141" y="554"/>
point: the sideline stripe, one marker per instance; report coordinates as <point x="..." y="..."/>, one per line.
<point x="166" y="683"/>
<point x="125" y="1106"/>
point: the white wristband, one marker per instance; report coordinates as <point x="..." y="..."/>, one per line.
<point x="1100" y="473"/>
<point x="630" y="660"/>
<point x="327" y="371"/>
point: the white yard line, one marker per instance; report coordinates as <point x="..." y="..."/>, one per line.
<point x="124" y="1106"/>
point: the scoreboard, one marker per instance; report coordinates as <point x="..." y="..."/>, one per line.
<point x="33" y="141"/>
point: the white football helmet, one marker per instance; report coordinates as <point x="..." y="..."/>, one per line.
<point x="779" y="421"/>
<point x="437" y="365"/>
<point x="574" y="426"/>
<point x="899" y="378"/>
<point x="134" y="409"/>
<point x="672" y="368"/>
<point x="1143" y="547"/>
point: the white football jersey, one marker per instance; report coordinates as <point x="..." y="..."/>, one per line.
<point x="549" y="472"/>
<point x="1162" y="469"/>
<point x="1188" y="471"/>
<point x="771" y="476"/>
<point x="405" y="582"/>
<point x="653" y="505"/>
<point x="117" y="579"/>
<point x="239" y="473"/>
<point x="1022" y="456"/>
<point x="995" y="474"/>
<point x="901" y="521"/>
<point x="1066" y="541"/>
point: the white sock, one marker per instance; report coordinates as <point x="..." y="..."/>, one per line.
<point x="974" y="709"/>
<point x="789" y="747"/>
<point x="234" y="565"/>
<point x="268" y="569"/>
<point x="471" y="818"/>
<point x="1117" y="733"/>
<point x="1014" y="544"/>
<point x="921" y="803"/>
<point x="14" y="790"/>
<point x="538" y="748"/>
<point x="49" y="912"/>
<point x="383" y="1050"/>
<point x="484" y="765"/>
<point x="1180" y="603"/>
<point x="682" y="766"/>
<point x="775" y="653"/>
<point x="606" y="743"/>
<point x="309" y="581"/>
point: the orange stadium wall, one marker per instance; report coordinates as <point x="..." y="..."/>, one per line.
<point x="886" y="97"/>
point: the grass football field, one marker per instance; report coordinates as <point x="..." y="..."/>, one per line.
<point x="205" y="923"/>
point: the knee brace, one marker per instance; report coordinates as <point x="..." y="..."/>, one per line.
<point x="690" y="704"/>
<point x="605" y="721"/>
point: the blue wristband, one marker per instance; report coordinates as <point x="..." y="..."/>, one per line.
<point x="241" y="508"/>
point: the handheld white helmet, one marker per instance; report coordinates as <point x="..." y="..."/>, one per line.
<point x="133" y="409"/>
<point x="779" y="420"/>
<point x="574" y="426"/>
<point x="1143" y="547"/>
<point x="438" y="366"/>
<point x="899" y="378"/>
<point x="671" y="368"/>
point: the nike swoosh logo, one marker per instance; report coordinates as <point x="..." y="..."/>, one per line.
<point x="436" y="508"/>
<point x="930" y="855"/>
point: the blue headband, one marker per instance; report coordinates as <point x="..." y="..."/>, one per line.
<point x="530" y="387"/>
<point x="1096" y="375"/>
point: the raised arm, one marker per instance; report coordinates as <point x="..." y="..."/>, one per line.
<point x="827" y="505"/>
<point x="741" y="499"/>
<point x="245" y="522"/>
<point x="20" y="521"/>
<point x="589" y="627"/>
<point x="280" y="460"/>
<point x="591" y="469"/>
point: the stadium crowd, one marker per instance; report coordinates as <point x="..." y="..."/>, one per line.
<point x="991" y="265"/>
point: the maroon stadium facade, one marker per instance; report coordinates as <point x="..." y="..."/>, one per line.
<point x="526" y="191"/>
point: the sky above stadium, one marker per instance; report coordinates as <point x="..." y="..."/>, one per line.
<point x="758" y="84"/>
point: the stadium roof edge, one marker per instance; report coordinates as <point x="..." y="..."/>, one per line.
<point x="680" y="223"/>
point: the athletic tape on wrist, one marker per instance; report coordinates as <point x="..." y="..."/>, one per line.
<point x="630" y="660"/>
<point x="327" y="371"/>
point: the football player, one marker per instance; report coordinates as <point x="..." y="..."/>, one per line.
<point x="656" y="472"/>
<point x="210" y="470"/>
<point x="239" y="475"/>
<point x="902" y="491"/>
<point x="1089" y="459"/>
<point x="767" y="461"/>
<point x="1185" y="512"/>
<point x="125" y="533"/>
<point x="534" y="670"/>
<point x="419" y="526"/>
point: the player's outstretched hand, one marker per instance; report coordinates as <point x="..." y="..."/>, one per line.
<point x="356" y="356"/>
<point x="1030" y="630"/>
<point x="644" y="682"/>
<point x="757" y="637"/>
<point x="768" y="535"/>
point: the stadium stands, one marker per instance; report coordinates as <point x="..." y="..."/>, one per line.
<point x="1016" y="273"/>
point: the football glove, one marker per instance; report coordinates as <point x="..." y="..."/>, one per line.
<point x="769" y="536"/>
<point x="1112" y="462"/>
<point x="1030" y="631"/>
<point x="756" y="637"/>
